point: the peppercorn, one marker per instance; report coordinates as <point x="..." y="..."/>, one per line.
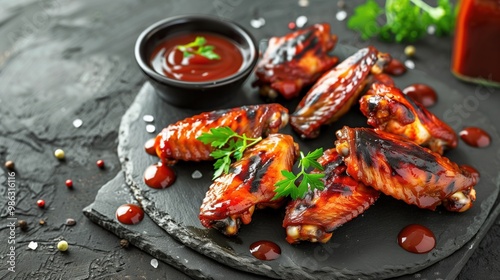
<point x="22" y="224"/>
<point x="341" y="4"/>
<point x="40" y="203"/>
<point x="100" y="163"/>
<point x="124" y="243"/>
<point x="62" y="246"/>
<point x="410" y="51"/>
<point x="69" y="183"/>
<point x="59" y="154"/>
<point x="9" y="165"/>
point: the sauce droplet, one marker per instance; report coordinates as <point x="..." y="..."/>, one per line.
<point x="475" y="137"/>
<point x="265" y="250"/>
<point x="159" y="176"/>
<point x="416" y="239"/>
<point x="129" y="214"/>
<point x="395" y="68"/>
<point x="421" y="93"/>
<point x="149" y="146"/>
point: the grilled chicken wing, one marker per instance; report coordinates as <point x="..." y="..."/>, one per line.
<point x="232" y="198"/>
<point x="388" y="109"/>
<point x="314" y="217"/>
<point x="178" y="141"/>
<point x="334" y="93"/>
<point x="405" y="170"/>
<point x="294" y="61"/>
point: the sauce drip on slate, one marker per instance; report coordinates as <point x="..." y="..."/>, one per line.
<point x="475" y="137"/>
<point x="129" y="214"/>
<point x="159" y="176"/>
<point x="265" y="250"/>
<point x="416" y="239"/>
<point x="421" y="93"/>
<point x="149" y="146"/>
<point x="169" y="61"/>
<point x="395" y="68"/>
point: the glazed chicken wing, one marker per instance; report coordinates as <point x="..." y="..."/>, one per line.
<point x="178" y="141"/>
<point x="294" y="61"/>
<point x="314" y="217"/>
<point x="388" y="109"/>
<point x="405" y="170"/>
<point x="334" y="93"/>
<point x="232" y="198"/>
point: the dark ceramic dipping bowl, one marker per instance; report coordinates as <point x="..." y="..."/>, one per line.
<point x="196" y="95"/>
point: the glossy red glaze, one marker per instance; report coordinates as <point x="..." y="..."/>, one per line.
<point x="265" y="250"/>
<point x="473" y="171"/>
<point x="398" y="167"/>
<point x="475" y="137"/>
<point x="416" y="239"/>
<point x="421" y="93"/>
<point x="395" y="68"/>
<point x="159" y="176"/>
<point x="129" y="214"/>
<point x="169" y="61"/>
<point x="150" y="147"/>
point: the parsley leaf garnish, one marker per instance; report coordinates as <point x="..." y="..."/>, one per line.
<point x="228" y="144"/>
<point x="288" y="186"/>
<point x="198" y="47"/>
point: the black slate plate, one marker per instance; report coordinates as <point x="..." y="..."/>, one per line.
<point x="365" y="247"/>
<point x="152" y="239"/>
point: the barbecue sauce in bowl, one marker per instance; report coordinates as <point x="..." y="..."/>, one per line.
<point x="169" y="60"/>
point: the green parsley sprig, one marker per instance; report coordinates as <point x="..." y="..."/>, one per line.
<point x="405" y="20"/>
<point x="288" y="186"/>
<point x="198" y="47"/>
<point x="228" y="144"/>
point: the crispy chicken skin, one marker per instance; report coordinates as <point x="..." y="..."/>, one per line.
<point x="178" y="141"/>
<point x="336" y="91"/>
<point x="294" y="61"/>
<point x="390" y="110"/>
<point x="232" y="198"/>
<point x="314" y="217"/>
<point x="405" y="170"/>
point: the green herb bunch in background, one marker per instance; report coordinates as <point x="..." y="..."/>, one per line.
<point x="405" y="20"/>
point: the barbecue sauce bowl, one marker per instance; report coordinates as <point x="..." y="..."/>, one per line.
<point x="191" y="80"/>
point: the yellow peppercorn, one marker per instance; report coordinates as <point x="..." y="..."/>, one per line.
<point x="410" y="51"/>
<point x="59" y="154"/>
<point x="62" y="246"/>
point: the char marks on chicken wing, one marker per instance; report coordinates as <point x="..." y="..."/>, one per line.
<point x="178" y="141"/>
<point x="314" y="217"/>
<point x="335" y="92"/>
<point x="232" y="198"/>
<point x="388" y="109"/>
<point x="405" y="170"/>
<point x="294" y="61"/>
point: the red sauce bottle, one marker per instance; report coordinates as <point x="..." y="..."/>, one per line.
<point x="476" y="51"/>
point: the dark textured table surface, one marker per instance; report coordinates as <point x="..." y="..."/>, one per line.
<point x="63" y="60"/>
